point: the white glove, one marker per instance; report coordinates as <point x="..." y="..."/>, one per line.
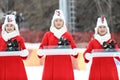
<point x="88" y="56"/>
<point x="39" y="52"/>
<point x="24" y="53"/>
<point x="76" y="51"/>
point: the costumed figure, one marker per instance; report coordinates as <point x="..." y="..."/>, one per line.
<point x="102" y="68"/>
<point x="58" y="67"/>
<point x="12" y="67"/>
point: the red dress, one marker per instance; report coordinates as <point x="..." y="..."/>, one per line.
<point x="12" y="67"/>
<point x="102" y="68"/>
<point x="57" y="67"/>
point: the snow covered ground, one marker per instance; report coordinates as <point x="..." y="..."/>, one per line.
<point x="35" y="72"/>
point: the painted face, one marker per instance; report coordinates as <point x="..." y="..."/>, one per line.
<point x="9" y="28"/>
<point x="102" y="30"/>
<point x="58" y="23"/>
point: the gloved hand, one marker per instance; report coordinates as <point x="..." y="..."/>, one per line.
<point x="38" y="53"/>
<point x="24" y="54"/>
<point x="88" y="56"/>
<point x="76" y="51"/>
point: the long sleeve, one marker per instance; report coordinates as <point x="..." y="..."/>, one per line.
<point x="44" y="41"/>
<point x="88" y="50"/>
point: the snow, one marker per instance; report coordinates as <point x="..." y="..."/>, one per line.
<point x="32" y="45"/>
<point x="35" y="72"/>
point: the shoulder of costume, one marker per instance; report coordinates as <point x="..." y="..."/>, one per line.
<point x="93" y="40"/>
<point x="67" y="33"/>
<point x="18" y="37"/>
<point x="48" y="33"/>
<point x="1" y="38"/>
<point x="111" y="39"/>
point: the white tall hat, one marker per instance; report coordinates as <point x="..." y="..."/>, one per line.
<point x="101" y="21"/>
<point x="58" y="14"/>
<point x="9" y="19"/>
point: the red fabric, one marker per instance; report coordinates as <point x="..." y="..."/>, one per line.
<point x="3" y="44"/>
<point x="103" y="68"/>
<point x="12" y="67"/>
<point x="57" y="67"/>
<point x="118" y="58"/>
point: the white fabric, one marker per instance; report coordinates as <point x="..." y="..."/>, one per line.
<point x="67" y="51"/>
<point x="88" y="56"/>
<point x="22" y="53"/>
<point x="58" y="32"/>
<point x="118" y="66"/>
<point x="25" y="53"/>
<point x="6" y="36"/>
<point x="101" y="22"/>
<point x="107" y="36"/>
<point x="9" y="19"/>
<point x="102" y="39"/>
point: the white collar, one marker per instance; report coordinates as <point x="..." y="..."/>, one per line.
<point x="6" y="36"/>
<point x="58" y="32"/>
<point x="102" y="39"/>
